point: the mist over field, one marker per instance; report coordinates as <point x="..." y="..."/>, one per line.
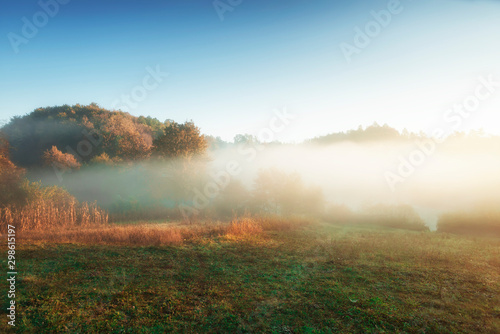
<point x="459" y="174"/>
<point x="230" y="166"/>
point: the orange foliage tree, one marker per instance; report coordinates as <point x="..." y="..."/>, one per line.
<point x="62" y="161"/>
<point x="11" y="178"/>
<point x="180" y="141"/>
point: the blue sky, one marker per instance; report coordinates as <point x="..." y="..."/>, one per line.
<point x="229" y="76"/>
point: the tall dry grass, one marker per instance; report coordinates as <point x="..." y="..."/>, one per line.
<point x="244" y="227"/>
<point x="163" y="234"/>
<point x="44" y="215"/>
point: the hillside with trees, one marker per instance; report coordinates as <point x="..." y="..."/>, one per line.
<point x="138" y="168"/>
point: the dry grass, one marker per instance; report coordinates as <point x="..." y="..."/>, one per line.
<point x="120" y="235"/>
<point x="42" y="215"/>
<point x="161" y="234"/>
<point x="279" y="223"/>
<point x="244" y="277"/>
<point x="374" y="246"/>
<point x="321" y="279"/>
<point x="244" y="227"/>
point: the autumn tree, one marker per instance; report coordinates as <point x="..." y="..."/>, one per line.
<point x="125" y="138"/>
<point x="180" y="141"/>
<point x="75" y="128"/>
<point x="11" y="178"/>
<point x="102" y="159"/>
<point x="62" y="161"/>
<point x="184" y="148"/>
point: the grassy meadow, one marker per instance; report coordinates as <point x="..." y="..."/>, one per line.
<point x="254" y="275"/>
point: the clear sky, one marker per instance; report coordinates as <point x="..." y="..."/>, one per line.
<point x="229" y="75"/>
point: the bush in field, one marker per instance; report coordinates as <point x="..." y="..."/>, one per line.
<point x="479" y="222"/>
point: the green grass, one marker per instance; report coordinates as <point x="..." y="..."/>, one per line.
<point x="316" y="279"/>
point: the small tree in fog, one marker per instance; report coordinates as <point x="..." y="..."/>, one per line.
<point x="184" y="148"/>
<point x="180" y="141"/>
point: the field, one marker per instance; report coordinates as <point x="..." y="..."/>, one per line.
<point x="255" y="276"/>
